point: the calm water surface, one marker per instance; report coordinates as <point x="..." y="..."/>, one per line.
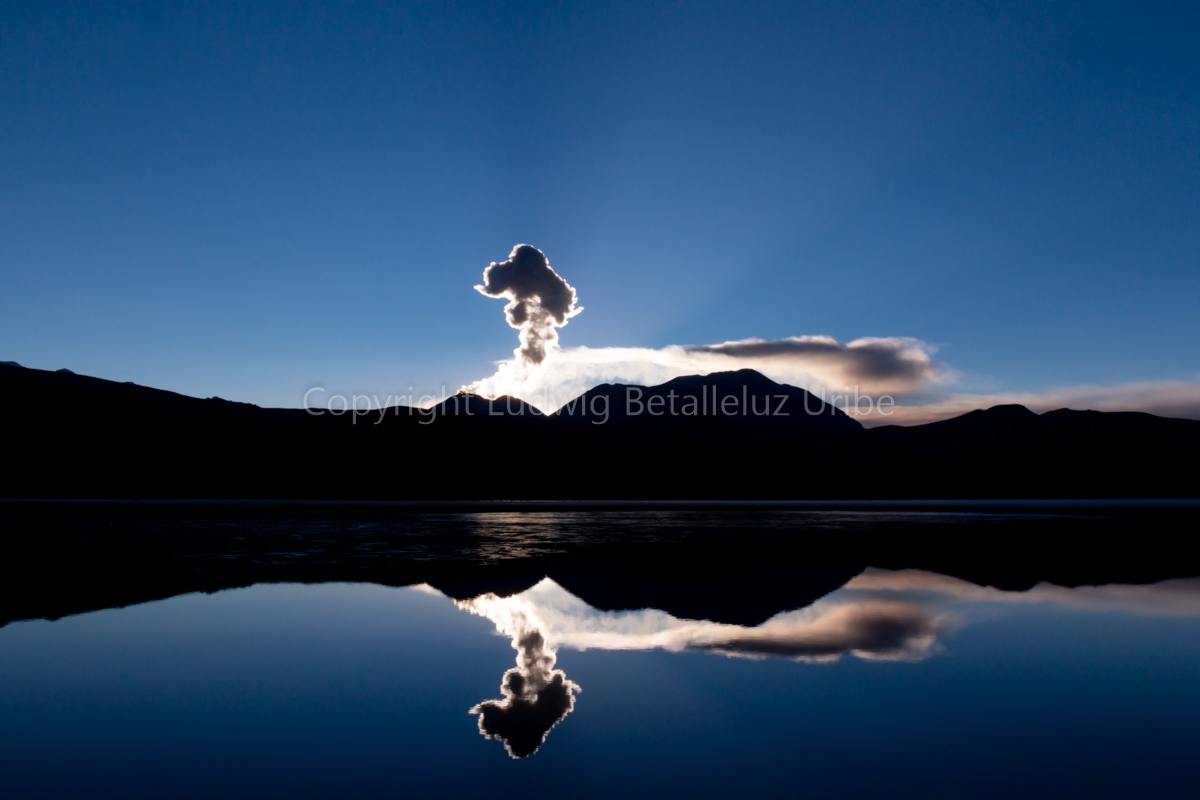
<point x="899" y="683"/>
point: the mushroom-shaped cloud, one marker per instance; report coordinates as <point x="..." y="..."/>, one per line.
<point x="536" y="698"/>
<point x="539" y="300"/>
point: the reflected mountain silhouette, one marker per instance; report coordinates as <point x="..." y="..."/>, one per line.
<point x="879" y="615"/>
<point x="736" y="564"/>
<point x="743" y="598"/>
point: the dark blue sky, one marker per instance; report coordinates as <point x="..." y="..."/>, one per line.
<point x="248" y="200"/>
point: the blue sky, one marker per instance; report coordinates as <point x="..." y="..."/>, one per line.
<point x="249" y="200"/>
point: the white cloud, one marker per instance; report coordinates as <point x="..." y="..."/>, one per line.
<point x="547" y="375"/>
<point x="1180" y="596"/>
<point x="539" y="301"/>
<point x="876" y="629"/>
<point x="894" y="366"/>
<point x="879" y="615"/>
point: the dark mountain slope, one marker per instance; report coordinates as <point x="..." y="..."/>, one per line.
<point x="707" y="403"/>
<point x="69" y="435"/>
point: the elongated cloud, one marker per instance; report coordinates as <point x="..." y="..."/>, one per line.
<point x="895" y="366"/>
<point x="879" y="615"/>
<point x="888" y="629"/>
<point x="876" y="630"/>
<point x="1173" y="597"/>
<point x="903" y="370"/>
<point x="539" y="300"/>
<point x="900" y="364"/>
<point x="546" y="375"/>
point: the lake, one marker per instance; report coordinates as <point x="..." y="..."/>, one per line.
<point x="902" y="682"/>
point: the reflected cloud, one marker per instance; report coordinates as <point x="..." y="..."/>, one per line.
<point x="880" y="629"/>
<point x="879" y="615"/>
<point x="536" y="695"/>
<point x="1180" y="596"/>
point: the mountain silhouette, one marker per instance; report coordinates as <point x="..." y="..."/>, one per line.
<point x="724" y="399"/>
<point x="467" y="405"/>
<point x="730" y="435"/>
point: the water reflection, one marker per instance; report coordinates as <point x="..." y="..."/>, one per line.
<point x="536" y="695"/>
<point x="1176" y="596"/>
<point x="878" y="615"/>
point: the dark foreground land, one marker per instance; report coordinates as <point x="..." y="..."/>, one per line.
<point x="733" y="435"/>
<point x="728" y="562"/>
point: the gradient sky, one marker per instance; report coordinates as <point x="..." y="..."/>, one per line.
<point x="249" y="200"/>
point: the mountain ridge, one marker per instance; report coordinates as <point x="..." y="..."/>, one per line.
<point x="78" y="436"/>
